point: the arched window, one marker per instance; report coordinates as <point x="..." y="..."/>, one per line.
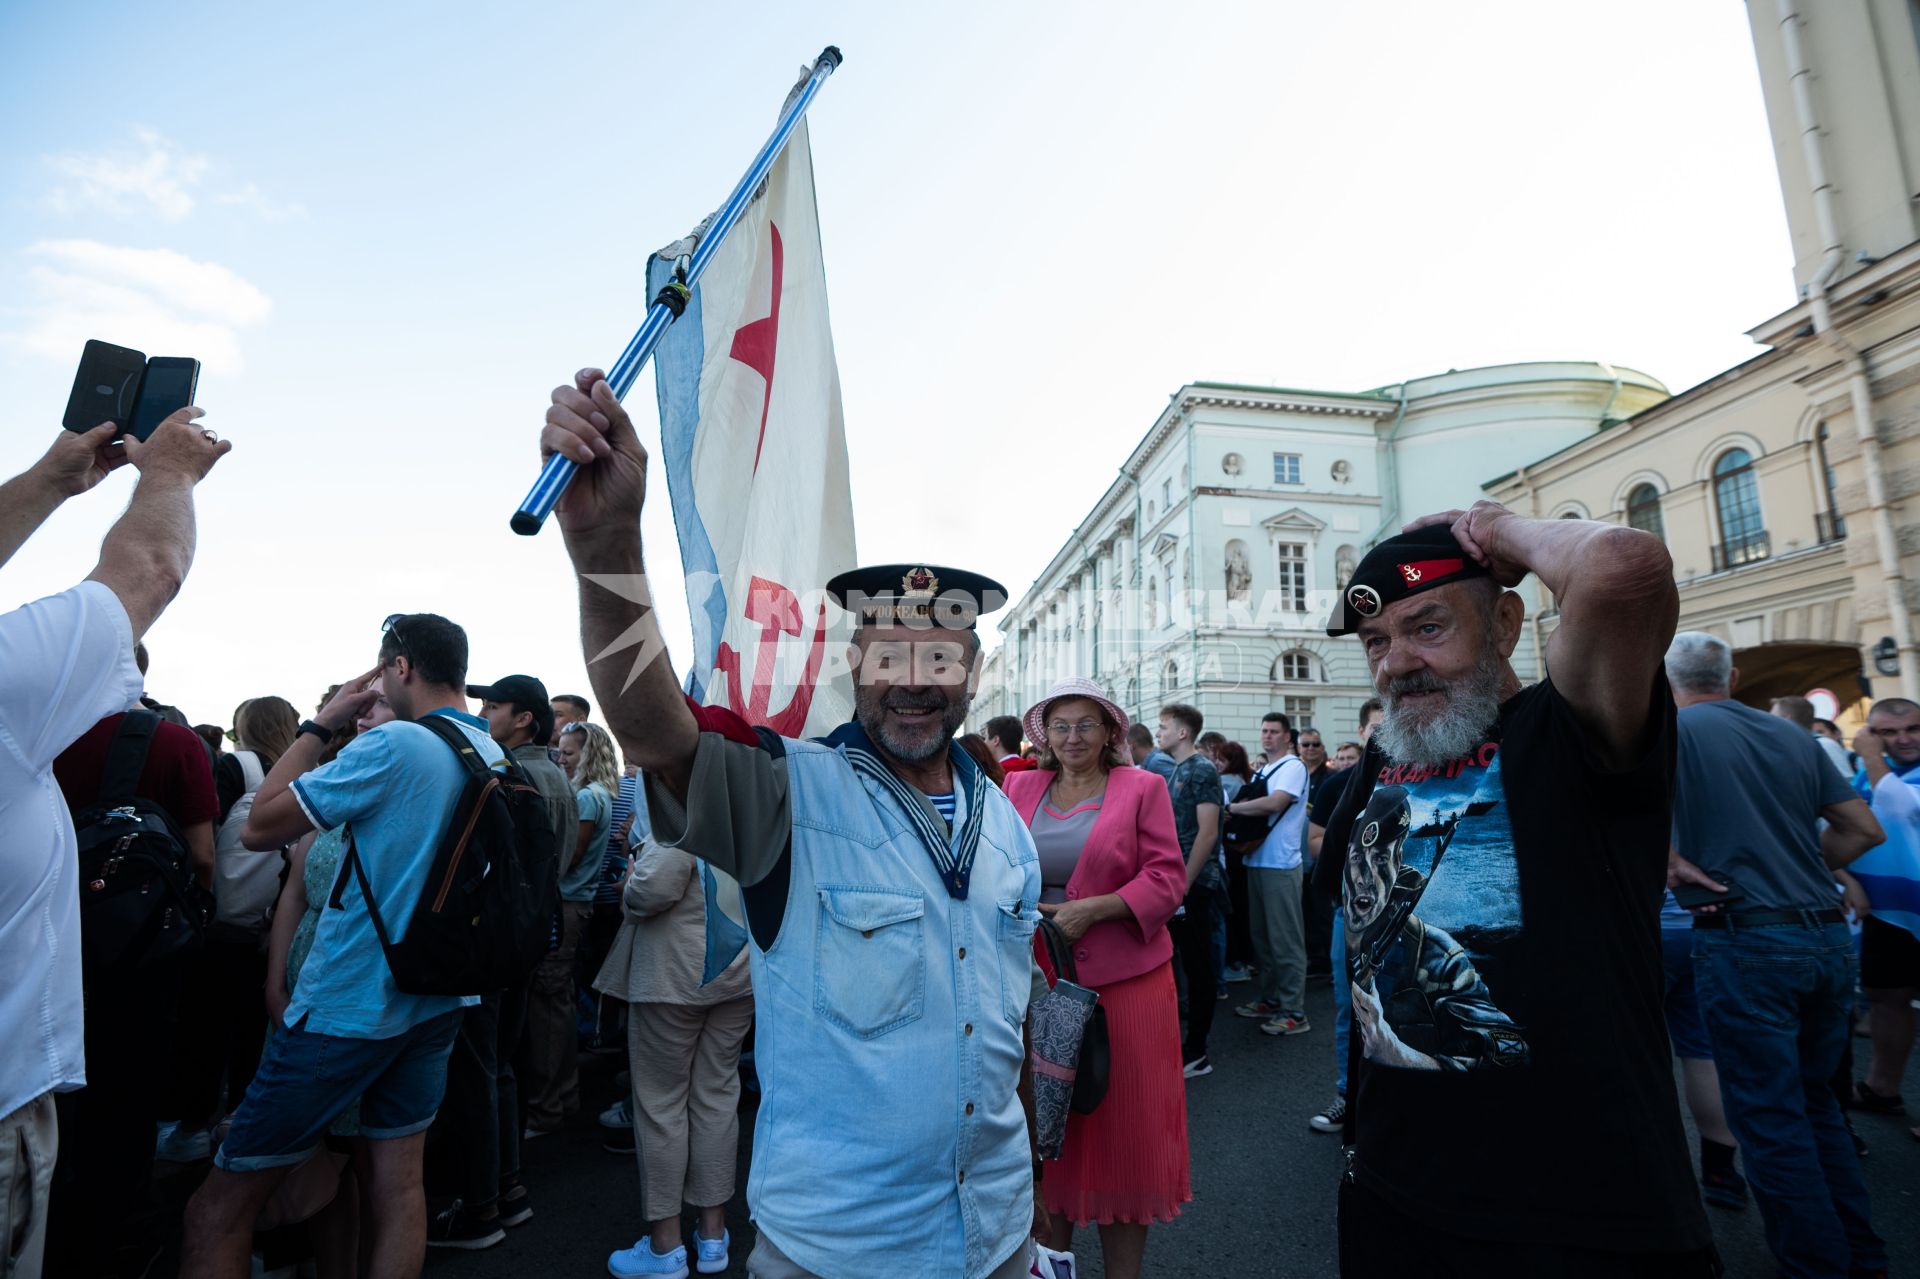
<point x="1643" y="510"/>
<point x="1170" y="677"/>
<point x="1832" y="527"/>
<point x="1736" y="497"/>
<point x="1295" y="667"/>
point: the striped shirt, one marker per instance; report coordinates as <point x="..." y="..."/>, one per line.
<point x="944" y="805"/>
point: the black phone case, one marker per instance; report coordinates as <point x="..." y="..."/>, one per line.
<point x="1690" y="895"/>
<point x="106" y="387"/>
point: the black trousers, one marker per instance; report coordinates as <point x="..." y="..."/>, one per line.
<point x="222" y="1029"/>
<point x="101" y="1218"/>
<point x="1377" y="1239"/>
<point x="1316" y="912"/>
<point x="463" y="1146"/>
<point x="1239" y="929"/>
<point x="1193" y="938"/>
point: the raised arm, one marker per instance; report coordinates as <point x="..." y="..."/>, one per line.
<point x="1617" y="601"/>
<point x="600" y="518"/>
<point x="74" y="464"/>
<point x="148" y="551"/>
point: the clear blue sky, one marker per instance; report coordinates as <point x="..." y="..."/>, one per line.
<point x="389" y="230"/>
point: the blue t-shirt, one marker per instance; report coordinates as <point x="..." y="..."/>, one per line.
<point x="596" y="806"/>
<point x="398" y="786"/>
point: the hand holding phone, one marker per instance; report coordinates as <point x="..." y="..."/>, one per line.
<point x="120" y="385"/>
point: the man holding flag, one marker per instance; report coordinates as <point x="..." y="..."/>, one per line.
<point x="886" y="891"/>
<point x="890" y="895"/>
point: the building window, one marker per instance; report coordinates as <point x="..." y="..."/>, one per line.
<point x="1294" y="668"/>
<point x="1736" y="496"/>
<point x="1170" y="677"/>
<point x="1286" y="468"/>
<point x="1643" y="511"/>
<point x="1299" y="712"/>
<point x="1166" y="493"/>
<point x="1293" y="576"/>
<point x="1832" y="528"/>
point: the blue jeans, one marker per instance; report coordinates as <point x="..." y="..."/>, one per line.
<point x="1775" y="1002"/>
<point x="1342" y="1001"/>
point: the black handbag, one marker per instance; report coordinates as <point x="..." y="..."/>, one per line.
<point x="1096" y="1052"/>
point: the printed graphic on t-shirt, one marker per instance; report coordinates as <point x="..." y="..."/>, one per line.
<point x="1431" y="893"/>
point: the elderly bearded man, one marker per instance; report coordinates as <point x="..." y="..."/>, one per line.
<point x="1528" y="829"/>
<point x="891" y="896"/>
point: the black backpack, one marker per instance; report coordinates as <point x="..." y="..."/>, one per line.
<point x="485" y="913"/>
<point x="1250" y="828"/>
<point x="140" y="904"/>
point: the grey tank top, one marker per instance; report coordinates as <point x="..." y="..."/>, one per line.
<point x="1058" y="838"/>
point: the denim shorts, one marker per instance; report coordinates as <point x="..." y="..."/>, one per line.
<point x="305" y="1079"/>
<point x="1684" y="1027"/>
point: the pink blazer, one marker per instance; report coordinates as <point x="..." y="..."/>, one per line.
<point x="1131" y="851"/>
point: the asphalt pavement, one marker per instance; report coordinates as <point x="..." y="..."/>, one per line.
<point x="1263" y="1183"/>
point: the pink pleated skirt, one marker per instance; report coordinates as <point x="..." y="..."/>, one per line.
<point x="1127" y="1161"/>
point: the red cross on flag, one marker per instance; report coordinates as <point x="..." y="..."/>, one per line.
<point x="756" y="460"/>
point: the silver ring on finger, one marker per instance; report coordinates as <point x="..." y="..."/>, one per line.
<point x="211" y="437"/>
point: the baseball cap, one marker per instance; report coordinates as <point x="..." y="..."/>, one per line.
<point x="526" y="692"/>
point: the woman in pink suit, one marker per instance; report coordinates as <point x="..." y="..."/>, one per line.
<point x="1111" y="877"/>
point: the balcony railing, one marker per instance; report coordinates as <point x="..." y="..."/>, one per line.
<point x="1830" y="527"/>
<point x="1748" y="550"/>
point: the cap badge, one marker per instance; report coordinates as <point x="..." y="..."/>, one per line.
<point x="1363" y="600"/>
<point x="1411" y="572"/>
<point x="920" y="582"/>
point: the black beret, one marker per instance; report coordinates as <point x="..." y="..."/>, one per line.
<point x="1403" y="565"/>
<point x="920" y="595"/>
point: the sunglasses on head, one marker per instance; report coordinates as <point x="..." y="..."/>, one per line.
<point x="392" y="627"/>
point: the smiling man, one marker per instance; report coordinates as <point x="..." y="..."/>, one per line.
<point x="891" y="896"/>
<point x="1502" y="850"/>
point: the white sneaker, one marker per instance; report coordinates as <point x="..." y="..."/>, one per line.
<point x="618" y="1115"/>
<point x="1198" y="1067"/>
<point x="177" y="1145"/>
<point x="641" y="1261"/>
<point x="711" y="1254"/>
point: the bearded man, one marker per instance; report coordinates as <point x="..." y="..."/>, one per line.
<point x="891" y="895"/>
<point x="1529" y="828"/>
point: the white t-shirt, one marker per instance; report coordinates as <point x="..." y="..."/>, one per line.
<point x="68" y="661"/>
<point x="1281" y="850"/>
<point x="1837" y="754"/>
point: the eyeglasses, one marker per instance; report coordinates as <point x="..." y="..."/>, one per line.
<point x="1085" y="728"/>
<point x="392" y="627"/>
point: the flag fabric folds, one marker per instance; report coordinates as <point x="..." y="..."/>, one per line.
<point x="1890" y="874"/>
<point x="755" y="453"/>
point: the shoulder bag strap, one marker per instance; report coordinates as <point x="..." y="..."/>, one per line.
<point x="127" y="757"/>
<point x="447" y="731"/>
<point x="352" y="859"/>
<point x="1060" y="951"/>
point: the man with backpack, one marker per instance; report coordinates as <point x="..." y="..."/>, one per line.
<point x="132" y="990"/>
<point x="69" y="661"/>
<point x="351" y="1030"/>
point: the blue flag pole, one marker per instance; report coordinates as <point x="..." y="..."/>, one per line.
<point x="559" y="471"/>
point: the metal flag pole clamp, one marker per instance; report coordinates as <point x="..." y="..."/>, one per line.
<point x="672" y="299"/>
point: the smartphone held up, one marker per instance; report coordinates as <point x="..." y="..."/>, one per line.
<point x="120" y="385"/>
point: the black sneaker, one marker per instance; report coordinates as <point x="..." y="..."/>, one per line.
<point x="454" y="1227"/>
<point x="516" y="1206"/>
<point x="1865" y="1098"/>
<point x="1333" y="1118"/>
<point x="1724" y="1189"/>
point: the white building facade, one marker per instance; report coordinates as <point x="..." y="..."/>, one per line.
<point x="1206" y="572"/>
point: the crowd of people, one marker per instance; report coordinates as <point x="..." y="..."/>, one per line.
<point x="1519" y="894"/>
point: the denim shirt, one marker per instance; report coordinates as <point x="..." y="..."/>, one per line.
<point x="888" y="1015"/>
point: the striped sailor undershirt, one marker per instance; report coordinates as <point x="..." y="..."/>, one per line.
<point x="943" y="804"/>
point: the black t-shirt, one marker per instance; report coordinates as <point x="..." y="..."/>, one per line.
<point x="1502" y="913"/>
